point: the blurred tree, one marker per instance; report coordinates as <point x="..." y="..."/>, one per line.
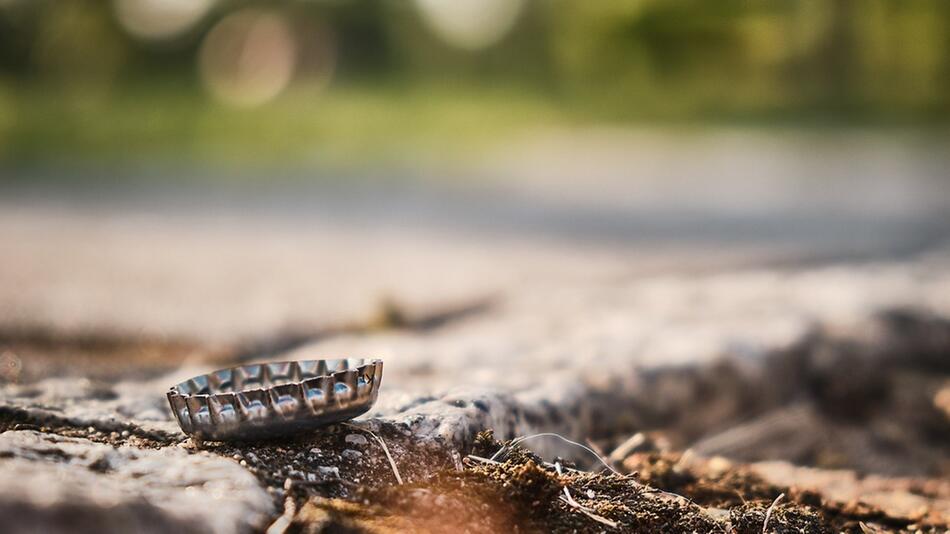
<point x="801" y="60"/>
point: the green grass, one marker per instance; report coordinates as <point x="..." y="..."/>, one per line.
<point x="369" y="126"/>
<point x="340" y="126"/>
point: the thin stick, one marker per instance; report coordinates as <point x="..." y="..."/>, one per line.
<point x="482" y="460"/>
<point x="650" y="489"/>
<point x="597" y="450"/>
<point x="392" y="463"/>
<point x="627" y="447"/>
<point x="581" y="508"/>
<point x="280" y="525"/>
<point x="768" y="513"/>
<point x="518" y="441"/>
<point x="588" y="513"/>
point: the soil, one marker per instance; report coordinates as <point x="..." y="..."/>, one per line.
<point x="662" y="494"/>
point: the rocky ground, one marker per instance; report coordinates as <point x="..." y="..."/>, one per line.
<point x="763" y="383"/>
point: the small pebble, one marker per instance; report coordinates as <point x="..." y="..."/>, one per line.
<point x="328" y="471"/>
<point x="316" y="450"/>
<point x="125" y="434"/>
<point x="355" y="439"/>
<point x="350" y="454"/>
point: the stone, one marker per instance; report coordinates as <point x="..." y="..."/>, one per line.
<point x="51" y="483"/>
<point x="350" y="454"/>
<point x="356" y="439"/>
<point x="329" y="471"/>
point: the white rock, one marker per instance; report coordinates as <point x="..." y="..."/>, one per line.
<point x="60" y="484"/>
<point x="355" y="439"/>
<point x="352" y="455"/>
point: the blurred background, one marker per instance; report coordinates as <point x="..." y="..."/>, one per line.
<point x="228" y="169"/>
<point x="364" y="82"/>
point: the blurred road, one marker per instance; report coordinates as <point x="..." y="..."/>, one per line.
<point x="217" y="255"/>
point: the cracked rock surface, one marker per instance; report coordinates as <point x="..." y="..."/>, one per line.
<point x="52" y="483"/>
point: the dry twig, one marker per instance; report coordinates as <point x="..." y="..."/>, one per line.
<point x="483" y="460"/>
<point x="768" y="513"/>
<point x="626" y="448"/>
<point x="567" y="498"/>
<point x="280" y="525"/>
<point x="597" y="450"/>
<point x="392" y="463"/>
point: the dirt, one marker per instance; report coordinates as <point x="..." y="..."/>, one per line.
<point x="723" y="484"/>
<point x="96" y="356"/>
<point x="339" y="461"/>
<point x="877" y="407"/>
<point x="525" y="494"/>
<point x="115" y="433"/>
<point x="520" y="494"/>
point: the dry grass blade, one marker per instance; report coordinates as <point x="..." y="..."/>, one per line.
<point x="483" y="460"/>
<point x="597" y="450"/>
<point x="392" y="463"/>
<point x="768" y="513"/>
<point x="623" y="450"/>
<point x="567" y="498"/>
<point x="658" y="491"/>
<point x="580" y="508"/>
<point x="522" y="439"/>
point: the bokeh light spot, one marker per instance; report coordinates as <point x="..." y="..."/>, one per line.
<point x="160" y="19"/>
<point x="10" y="367"/>
<point x="470" y="24"/>
<point x="248" y="58"/>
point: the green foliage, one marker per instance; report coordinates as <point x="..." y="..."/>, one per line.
<point x="72" y="79"/>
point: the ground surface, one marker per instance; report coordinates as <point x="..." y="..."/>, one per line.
<point x="803" y="352"/>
